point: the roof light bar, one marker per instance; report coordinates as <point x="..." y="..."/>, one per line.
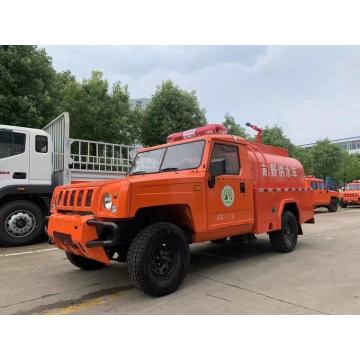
<point x="203" y="130"/>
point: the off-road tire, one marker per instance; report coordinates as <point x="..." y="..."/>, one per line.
<point x="285" y="240"/>
<point x="146" y="262"/>
<point x="17" y="206"/>
<point x="83" y="262"/>
<point x="333" y="206"/>
<point x="343" y="205"/>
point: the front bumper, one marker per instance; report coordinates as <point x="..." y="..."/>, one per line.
<point x="79" y="235"/>
<point x="351" y="200"/>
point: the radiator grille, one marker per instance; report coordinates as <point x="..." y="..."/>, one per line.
<point x="75" y="198"/>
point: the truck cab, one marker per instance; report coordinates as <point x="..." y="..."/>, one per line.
<point x="202" y="185"/>
<point x="351" y="194"/>
<point x="322" y="196"/>
<point x="34" y="161"/>
<point x="25" y="183"/>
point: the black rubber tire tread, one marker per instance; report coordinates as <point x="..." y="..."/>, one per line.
<point x="277" y="240"/>
<point x="139" y="249"/>
<point x="83" y="262"/>
<point x="333" y="206"/>
<point x="34" y="236"/>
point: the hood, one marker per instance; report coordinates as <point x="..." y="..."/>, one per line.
<point x="94" y="183"/>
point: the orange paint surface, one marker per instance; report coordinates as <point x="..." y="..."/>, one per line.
<point x="321" y="196"/>
<point x="251" y="201"/>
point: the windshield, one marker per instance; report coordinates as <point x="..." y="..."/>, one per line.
<point x="174" y="157"/>
<point x="353" y="187"/>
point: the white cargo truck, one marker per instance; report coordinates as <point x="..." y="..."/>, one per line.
<point x="34" y="161"/>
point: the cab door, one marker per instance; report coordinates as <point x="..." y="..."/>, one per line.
<point x="316" y="193"/>
<point x="40" y="159"/>
<point x="230" y="199"/>
<point x="323" y="193"/>
<point x="14" y="157"/>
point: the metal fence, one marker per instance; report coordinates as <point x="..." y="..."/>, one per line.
<point x="58" y="129"/>
<point x="98" y="156"/>
<point x="75" y="155"/>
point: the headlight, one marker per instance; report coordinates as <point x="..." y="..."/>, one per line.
<point x="107" y="201"/>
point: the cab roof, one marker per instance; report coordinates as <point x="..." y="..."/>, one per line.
<point x="227" y="138"/>
<point x="24" y="129"/>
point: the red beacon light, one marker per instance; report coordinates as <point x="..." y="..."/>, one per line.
<point x="203" y="130"/>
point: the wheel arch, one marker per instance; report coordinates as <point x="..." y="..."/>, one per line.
<point x="292" y="206"/>
<point x="177" y="214"/>
<point x="41" y="201"/>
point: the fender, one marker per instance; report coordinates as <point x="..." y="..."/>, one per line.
<point x="283" y="204"/>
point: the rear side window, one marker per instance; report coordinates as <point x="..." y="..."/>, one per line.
<point x="11" y="143"/>
<point x="322" y="186"/>
<point x="41" y="144"/>
<point x="230" y="154"/>
<point x="314" y="185"/>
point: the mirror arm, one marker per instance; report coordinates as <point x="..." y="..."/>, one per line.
<point x="211" y="181"/>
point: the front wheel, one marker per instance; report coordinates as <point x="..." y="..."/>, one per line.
<point x="285" y="240"/>
<point x="158" y="258"/>
<point x="83" y="262"/>
<point x="333" y="205"/>
<point x="21" y="223"/>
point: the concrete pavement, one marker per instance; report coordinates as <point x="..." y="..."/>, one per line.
<point x="322" y="276"/>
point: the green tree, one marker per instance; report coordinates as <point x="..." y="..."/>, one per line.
<point x="95" y="113"/>
<point x="170" y="110"/>
<point x="350" y="168"/>
<point x="327" y="158"/>
<point x="27" y="86"/>
<point x="233" y="127"/>
<point x="275" y="136"/>
<point x="305" y="157"/>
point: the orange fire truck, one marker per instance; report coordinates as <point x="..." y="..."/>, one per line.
<point x="351" y="194"/>
<point x="202" y="185"/>
<point x="323" y="197"/>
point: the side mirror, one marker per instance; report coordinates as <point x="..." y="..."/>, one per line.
<point x="217" y="168"/>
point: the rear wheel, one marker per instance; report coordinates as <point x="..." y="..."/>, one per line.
<point x="21" y="223"/>
<point x="83" y="262"/>
<point x="333" y="205"/>
<point x="285" y="240"/>
<point x="158" y="258"/>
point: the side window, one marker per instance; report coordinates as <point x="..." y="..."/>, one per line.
<point x="230" y="154"/>
<point x="322" y="186"/>
<point x="41" y="144"/>
<point x="11" y="143"/>
<point x="314" y="185"/>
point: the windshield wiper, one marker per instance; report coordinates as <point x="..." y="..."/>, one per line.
<point x="138" y="172"/>
<point x="169" y="169"/>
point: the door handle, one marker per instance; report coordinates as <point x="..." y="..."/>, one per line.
<point x="242" y="187"/>
<point x="19" y="175"/>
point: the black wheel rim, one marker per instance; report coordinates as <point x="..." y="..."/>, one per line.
<point x="164" y="258"/>
<point x="288" y="233"/>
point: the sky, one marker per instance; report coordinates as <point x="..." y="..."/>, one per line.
<point x="312" y="92"/>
